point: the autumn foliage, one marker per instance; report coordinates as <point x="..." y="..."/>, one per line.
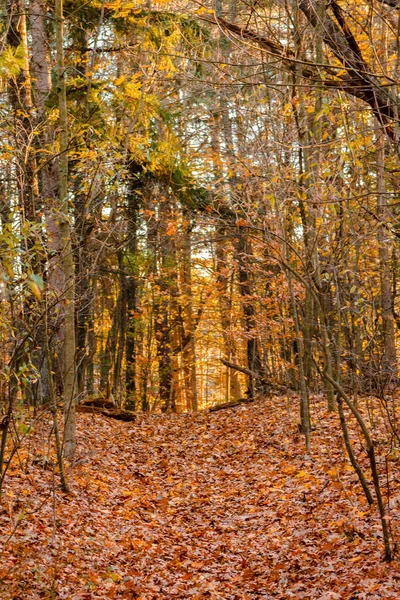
<point x="199" y="323"/>
<point x="221" y="505"/>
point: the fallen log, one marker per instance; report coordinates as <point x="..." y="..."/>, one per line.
<point x="120" y="415"/>
<point x="231" y="404"/>
<point x="99" y="402"/>
<point x="112" y="413"/>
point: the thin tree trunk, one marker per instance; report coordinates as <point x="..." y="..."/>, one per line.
<point x="388" y="330"/>
<point x="135" y="185"/>
<point x="351" y="455"/>
<point x="189" y="350"/>
<point x="304" y="398"/>
<point x="121" y="342"/>
<point x="67" y="253"/>
<point x="244" y="256"/>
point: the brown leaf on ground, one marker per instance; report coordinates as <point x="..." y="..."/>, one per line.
<point x="222" y="505"/>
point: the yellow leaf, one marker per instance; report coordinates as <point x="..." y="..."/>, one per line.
<point x="35" y="289"/>
<point x="301" y="474"/>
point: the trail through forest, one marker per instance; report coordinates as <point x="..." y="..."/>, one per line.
<point x="219" y="505"/>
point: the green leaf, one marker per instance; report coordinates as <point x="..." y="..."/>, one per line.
<point x="36" y="284"/>
<point x="24" y="428"/>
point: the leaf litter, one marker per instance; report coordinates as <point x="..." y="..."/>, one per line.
<point x="222" y="505"/>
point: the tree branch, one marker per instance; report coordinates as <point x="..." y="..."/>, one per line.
<point x="240" y="369"/>
<point x="359" y="82"/>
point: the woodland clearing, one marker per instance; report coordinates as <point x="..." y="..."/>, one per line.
<point x="221" y="505"/>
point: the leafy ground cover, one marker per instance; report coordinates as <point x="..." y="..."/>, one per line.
<point x="221" y="505"/>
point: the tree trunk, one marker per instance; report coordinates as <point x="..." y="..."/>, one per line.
<point x="40" y="54"/>
<point x="133" y="205"/>
<point x="244" y="256"/>
<point x="389" y="362"/>
<point x="67" y="252"/>
<point x="233" y="391"/>
<point x="189" y="350"/>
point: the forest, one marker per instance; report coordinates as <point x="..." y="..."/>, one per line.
<point x="199" y="299"/>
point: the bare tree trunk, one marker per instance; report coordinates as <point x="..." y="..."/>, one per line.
<point x="48" y="186"/>
<point x="225" y="308"/>
<point x="189" y="350"/>
<point x="388" y="331"/>
<point x="163" y="319"/>
<point x="108" y="358"/>
<point x="40" y="54"/>
<point x="165" y="363"/>
<point x="161" y="269"/>
<point x="244" y="254"/>
<point x="121" y="341"/>
<point x="308" y="174"/>
<point x="84" y="294"/>
<point x="135" y="184"/>
<point x="304" y="399"/>
<point x="67" y="253"/>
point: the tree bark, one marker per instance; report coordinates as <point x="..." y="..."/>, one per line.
<point x="388" y="331"/>
<point x="189" y="349"/>
<point x="133" y="205"/>
<point x="244" y="255"/>
<point x="40" y="54"/>
<point x="67" y="252"/>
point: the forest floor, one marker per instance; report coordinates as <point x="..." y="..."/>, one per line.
<point x="222" y="505"/>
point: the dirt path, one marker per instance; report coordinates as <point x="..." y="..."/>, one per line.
<point x="214" y="505"/>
